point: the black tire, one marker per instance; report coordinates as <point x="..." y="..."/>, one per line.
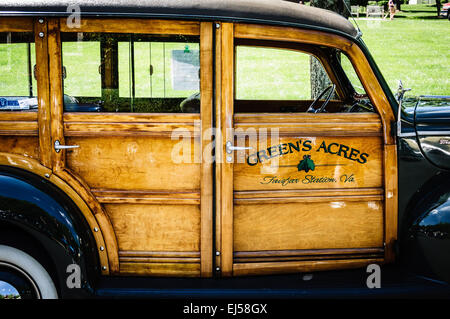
<point x="20" y="266"/>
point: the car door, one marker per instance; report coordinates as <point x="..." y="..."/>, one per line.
<point x="126" y="127"/>
<point x="297" y="191"/>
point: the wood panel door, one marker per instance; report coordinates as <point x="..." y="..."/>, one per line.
<point x="138" y="159"/>
<point x="303" y="191"/>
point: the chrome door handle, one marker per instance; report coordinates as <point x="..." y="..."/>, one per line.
<point x="230" y="148"/>
<point x="59" y="147"/>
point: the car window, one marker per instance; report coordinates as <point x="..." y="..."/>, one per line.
<point x="269" y="79"/>
<point x="272" y="74"/>
<point x="351" y="74"/>
<point x="130" y="73"/>
<point x="17" y="61"/>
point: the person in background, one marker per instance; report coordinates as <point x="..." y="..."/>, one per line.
<point x="391" y="6"/>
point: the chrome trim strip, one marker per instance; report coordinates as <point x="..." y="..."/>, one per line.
<point x="407" y="135"/>
<point x="447" y="97"/>
<point x="432" y="133"/>
<point x="426" y="133"/>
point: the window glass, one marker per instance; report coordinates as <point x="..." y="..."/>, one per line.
<point x="351" y="74"/>
<point x="274" y="80"/>
<point x="273" y="74"/>
<point x="130" y="73"/>
<point x="81" y="69"/>
<point x="17" y="61"/>
<point x="161" y="69"/>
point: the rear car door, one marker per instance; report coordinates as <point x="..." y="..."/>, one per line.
<point x="127" y="121"/>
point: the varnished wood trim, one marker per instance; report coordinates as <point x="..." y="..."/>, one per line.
<point x="58" y="159"/>
<point x="127" y="124"/>
<point x="226" y="210"/>
<point x="26" y="116"/>
<point x="219" y="155"/>
<point x="306" y="255"/>
<point x="244" y="269"/>
<point x="147" y="26"/>
<point x="391" y="202"/>
<point x="162" y="254"/>
<point x="276" y="33"/>
<point x="102" y="218"/>
<point x="106" y="196"/>
<point x="19" y="128"/>
<point x="307" y="131"/>
<point x="126" y="129"/>
<point x="362" y="118"/>
<point x="311" y="199"/>
<point x="305" y="258"/>
<point x="295" y="124"/>
<point x="159" y="256"/>
<point x="307" y="252"/>
<point x="308" y="196"/>
<point x="19" y="123"/>
<point x="206" y="182"/>
<point x="25" y="163"/>
<point x="149" y="260"/>
<point x="160" y="269"/>
<point x="365" y="121"/>
<point x="43" y="92"/>
<point x="35" y="167"/>
<point x="147" y="200"/>
<point x="56" y="91"/>
<point x="308" y="193"/>
<point x="10" y="24"/>
<point x="186" y="118"/>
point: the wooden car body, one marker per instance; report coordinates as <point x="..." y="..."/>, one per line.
<point x="317" y="191"/>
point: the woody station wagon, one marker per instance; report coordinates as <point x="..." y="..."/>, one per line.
<point x="149" y="140"/>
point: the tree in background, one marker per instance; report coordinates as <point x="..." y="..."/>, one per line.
<point x="362" y="3"/>
<point x="333" y="5"/>
<point x="319" y="78"/>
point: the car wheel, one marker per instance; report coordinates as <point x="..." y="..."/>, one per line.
<point x="23" y="277"/>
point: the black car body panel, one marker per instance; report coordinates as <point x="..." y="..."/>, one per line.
<point x="396" y="282"/>
<point x="48" y="216"/>
<point x="424" y="186"/>
<point x="432" y="122"/>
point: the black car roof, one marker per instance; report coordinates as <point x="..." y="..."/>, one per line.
<point x="253" y="11"/>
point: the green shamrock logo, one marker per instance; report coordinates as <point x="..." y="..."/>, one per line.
<point x="306" y="164"/>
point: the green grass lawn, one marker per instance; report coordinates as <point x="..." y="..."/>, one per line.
<point x="261" y="76"/>
<point x="417" y="11"/>
<point x="14" y="69"/>
<point x="417" y="51"/>
<point x="414" y="48"/>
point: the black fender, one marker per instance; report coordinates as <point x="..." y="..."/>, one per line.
<point x="425" y="246"/>
<point x="48" y="216"/>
